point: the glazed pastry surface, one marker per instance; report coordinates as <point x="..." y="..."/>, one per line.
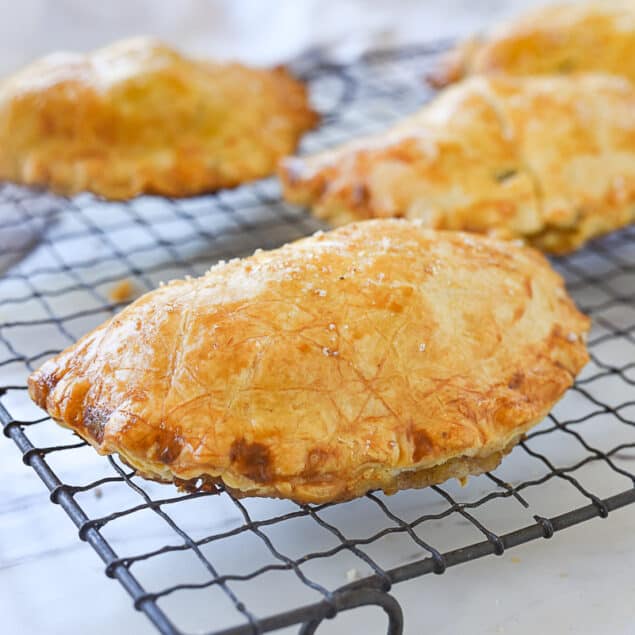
<point x="139" y="117"/>
<point x="547" y="159"/>
<point x="564" y="38"/>
<point x="380" y="355"/>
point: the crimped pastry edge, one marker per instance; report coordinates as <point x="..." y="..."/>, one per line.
<point x="305" y="185"/>
<point x="333" y="484"/>
<point x="391" y="481"/>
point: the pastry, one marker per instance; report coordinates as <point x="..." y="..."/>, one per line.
<point x="381" y="355"/>
<point x="547" y="159"/>
<point x="139" y="117"/>
<point x="565" y="38"/>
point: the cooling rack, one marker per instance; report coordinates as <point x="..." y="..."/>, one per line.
<point x="60" y="260"/>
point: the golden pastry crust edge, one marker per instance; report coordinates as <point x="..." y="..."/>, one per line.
<point x="552" y="39"/>
<point x="349" y="194"/>
<point x="105" y="169"/>
<point x="542" y="376"/>
<point x="430" y="471"/>
<point x="389" y="481"/>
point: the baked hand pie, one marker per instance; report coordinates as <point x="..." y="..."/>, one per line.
<point x="547" y="159"/>
<point x="564" y="38"/>
<point x="381" y="355"/>
<point x="138" y="117"/>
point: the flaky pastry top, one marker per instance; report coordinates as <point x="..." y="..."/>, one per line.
<point x="557" y="39"/>
<point x="138" y="117"/>
<point x="547" y="159"/>
<point x="327" y="367"/>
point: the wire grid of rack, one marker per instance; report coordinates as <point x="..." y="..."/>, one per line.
<point x="60" y="258"/>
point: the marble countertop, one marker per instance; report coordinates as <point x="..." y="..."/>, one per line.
<point x="580" y="581"/>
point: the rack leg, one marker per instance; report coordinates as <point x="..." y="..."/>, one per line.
<point x="364" y="597"/>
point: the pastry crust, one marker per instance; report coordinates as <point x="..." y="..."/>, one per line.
<point x="547" y="159"/>
<point x="565" y="38"/>
<point x="379" y="355"/>
<point x="139" y="117"/>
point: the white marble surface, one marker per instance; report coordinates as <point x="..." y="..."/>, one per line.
<point x="579" y="582"/>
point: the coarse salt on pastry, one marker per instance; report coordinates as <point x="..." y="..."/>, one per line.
<point x="380" y="355"/>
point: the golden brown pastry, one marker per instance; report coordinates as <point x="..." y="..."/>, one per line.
<point x="565" y="38"/>
<point x="379" y="355"/>
<point x="547" y="159"/>
<point x="139" y="117"/>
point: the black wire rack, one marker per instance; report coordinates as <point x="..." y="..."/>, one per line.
<point x="60" y="259"/>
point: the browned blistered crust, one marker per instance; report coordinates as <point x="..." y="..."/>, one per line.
<point x="558" y="39"/>
<point x="550" y="160"/>
<point x="459" y="467"/>
<point x="377" y="356"/>
<point x="139" y="117"/>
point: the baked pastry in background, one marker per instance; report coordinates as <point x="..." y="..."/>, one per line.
<point x="564" y="38"/>
<point x="139" y="117"/>
<point x="547" y="159"/>
<point x="379" y="355"/>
